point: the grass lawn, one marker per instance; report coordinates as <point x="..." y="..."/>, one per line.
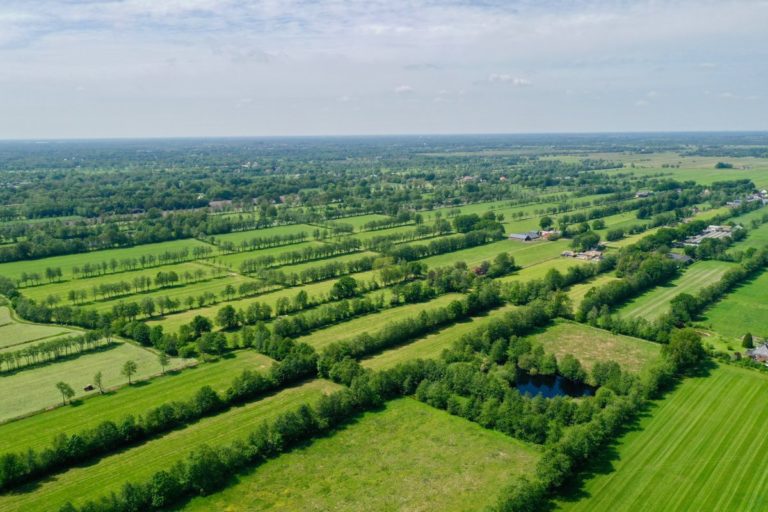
<point x="373" y="322"/>
<point x="700" y="449"/>
<point x="743" y="310"/>
<point x="432" y="345"/>
<point x="30" y="390"/>
<point x="655" y="302"/>
<point x="142" y="461"/>
<point x="408" y="456"/>
<point x="13" y="333"/>
<point x="289" y="229"/>
<point x="14" y="269"/>
<point x="590" y="345"/>
<point x="37" y="431"/>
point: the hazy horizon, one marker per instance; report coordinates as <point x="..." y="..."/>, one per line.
<point x="92" y="69"/>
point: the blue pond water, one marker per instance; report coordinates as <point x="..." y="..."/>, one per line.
<point x="551" y="386"/>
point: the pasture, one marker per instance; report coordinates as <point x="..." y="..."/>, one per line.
<point x="743" y="310"/>
<point x="701" y="449"/>
<point x="16" y="268"/>
<point x="408" y="456"/>
<point x="14" y="333"/>
<point x="233" y="261"/>
<point x="370" y="323"/>
<point x="244" y="236"/>
<point x="655" y="302"/>
<point x="591" y="345"/>
<point x="33" y="389"/>
<point x="577" y="292"/>
<point x="432" y="345"/>
<point x="525" y="253"/>
<point x="358" y="221"/>
<point x="141" y="462"/>
<point x="38" y="430"/>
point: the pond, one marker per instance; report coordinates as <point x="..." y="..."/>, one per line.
<point x="550" y="386"/>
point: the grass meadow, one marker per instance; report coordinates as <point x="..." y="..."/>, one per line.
<point x="701" y="449"/>
<point x="15" y="269"/>
<point x="591" y="345"/>
<point x="288" y="229"/>
<point x="407" y="456"/>
<point x="13" y="334"/>
<point x="743" y="310"/>
<point x="32" y="389"/>
<point x="38" y="430"/>
<point x="108" y="474"/>
<point x="655" y="302"/>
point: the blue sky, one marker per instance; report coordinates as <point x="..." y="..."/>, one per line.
<point x="136" y="68"/>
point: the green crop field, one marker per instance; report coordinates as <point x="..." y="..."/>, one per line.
<point x="140" y="462"/>
<point x="30" y="390"/>
<point x="743" y="310"/>
<point x="37" y="431"/>
<point x="655" y="302"/>
<point x="406" y="457"/>
<point x="590" y="345"/>
<point x="432" y="345"/>
<point x="15" y="269"/>
<point x="13" y="333"/>
<point x="700" y="449"/>
<point x="289" y="229"/>
<point x="370" y="323"/>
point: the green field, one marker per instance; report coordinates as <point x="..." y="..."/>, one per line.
<point x="701" y="449"/>
<point x="321" y="288"/>
<point x="358" y="221"/>
<point x="407" y="457"/>
<point x="299" y="267"/>
<point x="590" y="345"/>
<point x="140" y="462"/>
<point x="743" y="310"/>
<point x="525" y="253"/>
<point x="756" y="238"/>
<point x="37" y="431"/>
<point x="30" y="390"/>
<point x="654" y="303"/>
<point x="432" y="345"/>
<point x="367" y="235"/>
<point x="289" y="229"/>
<point x="15" y="269"/>
<point x="578" y="291"/>
<point x="233" y="261"/>
<point x="41" y="292"/>
<point x="13" y="333"/>
<point x="371" y="323"/>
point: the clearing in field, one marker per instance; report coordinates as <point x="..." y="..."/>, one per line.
<point x="141" y="462"/>
<point x="741" y="311"/>
<point x="701" y="449"/>
<point x="33" y="389"/>
<point x="37" y="431"/>
<point x="13" y="334"/>
<point x="407" y="457"/>
<point x="432" y="345"/>
<point x="655" y="302"/>
<point x="590" y="345"/>
<point x="373" y="322"/>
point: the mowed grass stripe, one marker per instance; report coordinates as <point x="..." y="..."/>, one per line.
<point x="655" y="302"/>
<point x="139" y="463"/>
<point x="38" y="431"/>
<point x="700" y="449"/>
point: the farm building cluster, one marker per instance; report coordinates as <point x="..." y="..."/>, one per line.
<point x="713" y="231"/>
<point x="585" y="255"/>
<point x="530" y="236"/>
<point x="761" y="196"/>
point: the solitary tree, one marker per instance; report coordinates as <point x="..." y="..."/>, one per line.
<point x="747" y="341"/>
<point x="66" y="391"/>
<point x="129" y="369"/>
<point x="98" y="382"/>
<point x="162" y="358"/>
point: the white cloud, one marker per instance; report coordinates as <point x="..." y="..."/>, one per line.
<point x="403" y="89"/>
<point x="508" y="79"/>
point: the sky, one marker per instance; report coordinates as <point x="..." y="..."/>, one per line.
<point x="186" y="68"/>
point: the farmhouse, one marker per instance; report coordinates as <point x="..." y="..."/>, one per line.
<point x="759" y="353"/>
<point x="680" y="258"/>
<point x="525" y="237"/>
<point x="546" y="235"/>
<point x="586" y="255"/>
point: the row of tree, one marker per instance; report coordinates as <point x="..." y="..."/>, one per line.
<point x="313" y="252"/>
<point x="51" y="350"/>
